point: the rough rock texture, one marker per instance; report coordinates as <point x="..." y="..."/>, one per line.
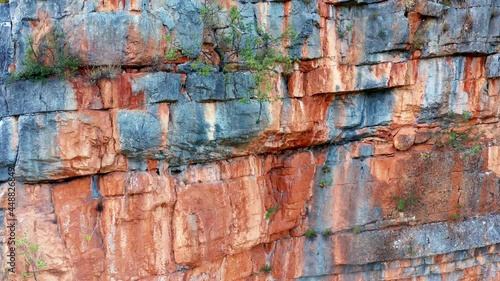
<point x="377" y="158"/>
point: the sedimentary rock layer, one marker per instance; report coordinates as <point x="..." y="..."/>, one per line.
<point x="376" y="158"/>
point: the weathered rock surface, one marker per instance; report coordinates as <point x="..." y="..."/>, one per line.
<point x="377" y="158"/>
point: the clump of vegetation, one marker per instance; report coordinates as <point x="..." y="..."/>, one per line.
<point x="449" y="3"/>
<point x="411" y="251"/>
<point x="33" y="262"/>
<point x="342" y="33"/>
<point x="270" y="212"/>
<point x="403" y="203"/>
<point x="456" y="216"/>
<point x="102" y="72"/>
<point x="426" y="155"/>
<point x="201" y="67"/>
<point x="382" y="34"/>
<point x="466" y="116"/>
<point x="266" y="268"/>
<point x="468" y="23"/>
<point x="238" y="46"/>
<point x="51" y="56"/>
<point x="311" y="234"/>
<point x="446" y="3"/>
<point x="357" y="229"/>
<point x="419" y="38"/>
<point x="475" y="149"/>
<point x="326" y="169"/>
<point x="171" y="53"/>
<point x="327" y="233"/>
<point x="451" y="135"/>
<point x="324" y="183"/>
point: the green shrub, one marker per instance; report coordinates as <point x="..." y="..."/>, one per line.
<point x="32" y="260"/>
<point x="238" y="46"/>
<point x="402" y="203"/>
<point x="326" y="169"/>
<point x="452" y="134"/>
<point x="266" y="268"/>
<point x="311" y="234"/>
<point x="51" y="56"/>
<point x="327" y="233"/>
<point x="324" y="183"/>
<point x="382" y="34"/>
<point x="270" y="212"/>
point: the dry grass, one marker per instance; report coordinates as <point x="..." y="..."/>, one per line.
<point x="468" y="22"/>
<point x="102" y="72"/>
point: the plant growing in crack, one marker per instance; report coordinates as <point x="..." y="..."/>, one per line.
<point x="51" y="56"/>
<point x="311" y="234"/>
<point x="326" y="169"/>
<point x="357" y="229"/>
<point x="235" y="44"/>
<point x="456" y="216"/>
<point x="420" y="36"/>
<point x="266" y="268"/>
<point x="97" y="73"/>
<point x="327" y="233"/>
<point x="342" y="32"/>
<point x="270" y="212"/>
<point x="455" y="133"/>
<point x="324" y="183"/>
<point x="411" y="251"/>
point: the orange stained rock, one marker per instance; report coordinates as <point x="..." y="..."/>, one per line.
<point x="141" y="225"/>
<point x="79" y="221"/>
<point x="201" y="224"/>
<point x="287" y="262"/>
<point x="87" y="94"/>
<point x="86" y="143"/>
<point x="238" y="266"/>
<point x="405" y="138"/>
<point x="494" y="159"/>
<point x="293" y="189"/>
<point x="139" y="51"/>
<point x="117" y="93"/>
<point x="474" y="82"/>
<point x="37" y="221"/>
<point x="111" y="5"/>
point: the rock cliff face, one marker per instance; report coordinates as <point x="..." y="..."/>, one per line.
<point x="378" y="158"/>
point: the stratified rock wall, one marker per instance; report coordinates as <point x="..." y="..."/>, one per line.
<point x="378" y="158"/>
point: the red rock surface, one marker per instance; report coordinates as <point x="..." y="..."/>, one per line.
<point x="361" y="148"/>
